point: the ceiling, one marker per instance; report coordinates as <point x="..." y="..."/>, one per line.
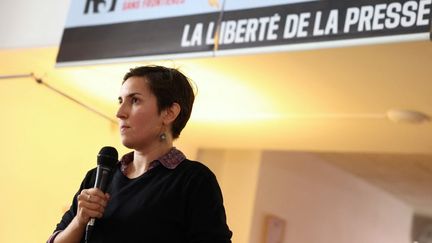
<point x="328" y="101"/>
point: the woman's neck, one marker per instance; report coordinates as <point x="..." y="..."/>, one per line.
<point x="143" y="158"/>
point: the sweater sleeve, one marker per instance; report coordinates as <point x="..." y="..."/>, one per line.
<point x="205" y="211"/>
<point x="70" y="214"/>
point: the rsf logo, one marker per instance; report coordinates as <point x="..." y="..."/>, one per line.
<point x="96" y="6"/>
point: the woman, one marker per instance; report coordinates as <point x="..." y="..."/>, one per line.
<point x="156" y="193"/>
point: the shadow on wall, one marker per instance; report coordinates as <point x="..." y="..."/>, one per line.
<point x="421" y="229"/>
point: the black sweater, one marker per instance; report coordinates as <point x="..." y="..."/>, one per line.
<point x="161" y="206"/>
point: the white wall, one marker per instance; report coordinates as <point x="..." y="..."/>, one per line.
<point x="323" y="204"/>
<point x="29" y="23"/>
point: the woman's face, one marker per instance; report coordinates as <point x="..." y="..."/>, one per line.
<point x="140" y="122"/>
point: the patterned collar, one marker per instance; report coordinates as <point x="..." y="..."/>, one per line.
<point x="169" y="160"/>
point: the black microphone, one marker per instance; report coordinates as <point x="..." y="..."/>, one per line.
<point x="106" y="161"/>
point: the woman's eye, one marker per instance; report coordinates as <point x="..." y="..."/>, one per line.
<point x="134" y="100"/>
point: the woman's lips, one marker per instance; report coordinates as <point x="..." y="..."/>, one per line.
<point x="123" y="128"/>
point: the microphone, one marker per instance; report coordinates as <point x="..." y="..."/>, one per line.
<point x="106" y="161"/>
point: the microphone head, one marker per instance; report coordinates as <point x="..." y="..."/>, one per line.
<point x="107" y="157"/>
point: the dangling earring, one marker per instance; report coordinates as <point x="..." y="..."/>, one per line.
<point x="162" y="137"/>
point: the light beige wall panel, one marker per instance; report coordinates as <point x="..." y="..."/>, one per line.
<point x="322" y="204"/>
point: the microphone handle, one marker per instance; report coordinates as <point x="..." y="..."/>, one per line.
<point x="89" y="230"/>
<point x="102" y="178"/>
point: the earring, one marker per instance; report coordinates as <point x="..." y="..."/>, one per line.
<point x="162" y="137"/>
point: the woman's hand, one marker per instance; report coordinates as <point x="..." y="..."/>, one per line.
<point x="91" y="204"/>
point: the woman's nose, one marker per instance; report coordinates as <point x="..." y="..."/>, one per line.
<point x="121" y="113"/>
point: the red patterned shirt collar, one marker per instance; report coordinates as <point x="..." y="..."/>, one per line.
<point x="169" y="160"/>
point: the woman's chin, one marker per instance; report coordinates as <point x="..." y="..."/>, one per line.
<point x="127" y="143"/>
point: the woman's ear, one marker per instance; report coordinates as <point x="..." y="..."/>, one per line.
<point x="171" y="113"/>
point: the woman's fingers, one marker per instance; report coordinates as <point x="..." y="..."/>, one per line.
<point x="84" y="215"/>
<point x="87" y="213"/>
<point x="91" y="204"/>
<point x="94" y="195"/>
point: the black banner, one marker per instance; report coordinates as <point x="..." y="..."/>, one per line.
<point x="282" y="25"/>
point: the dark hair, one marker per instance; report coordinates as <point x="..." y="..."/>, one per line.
<point x="169" y="86"/>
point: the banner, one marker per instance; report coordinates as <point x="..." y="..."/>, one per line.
<point x="104" y="30"/>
